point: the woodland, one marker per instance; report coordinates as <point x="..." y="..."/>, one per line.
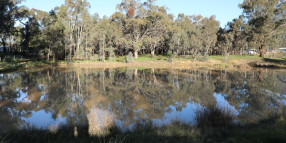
<point x="70" y="32"/>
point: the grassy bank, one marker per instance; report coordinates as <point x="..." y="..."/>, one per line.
<point x="147" y="61"/>
<point x="22" y="65"/>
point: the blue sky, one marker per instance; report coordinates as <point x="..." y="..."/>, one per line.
<point x="225" y="10"/>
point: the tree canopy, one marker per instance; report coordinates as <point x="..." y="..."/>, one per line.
<point x="70" y="32"/>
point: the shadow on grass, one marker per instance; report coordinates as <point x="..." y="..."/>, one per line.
<point x="276" y="61"/>
<point x="264" y="65"/>
<point x="269" y="63"/>
<point x="6" y="67"/>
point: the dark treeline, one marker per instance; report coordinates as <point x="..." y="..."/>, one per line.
<point x="71" y="32"/>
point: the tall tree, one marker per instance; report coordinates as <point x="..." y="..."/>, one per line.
<point x="107" y="36"/>
<point x="54" y="35"/>
<point x="225" y="41"/>
<point x="30" y="32"/>
<point x="265" y="18"/>
<point x="157" y="24"/>
<point x="237" y="27"/>
<point x="9" y="13"/>
<point x="210" y="27"/>
<point x="74" y="17"/>
<point x="180" y="39"/>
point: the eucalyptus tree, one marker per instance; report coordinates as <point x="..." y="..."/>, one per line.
<point x="157" y="23"/>
<point x="73" y="13"/>
<point x="54" y="35"/>
<point x="225" y="39"/>
<point x="195" y="36"/>
<point x="143" y="21"/>
<point x="237" y="27"/>
<point x="175" y="38"/>
<point x="9" y="13"/>
<point x="123" y="44"/>
<point x="210" y="27"/>
<point x="30" y="32"/>
<point x="89" y="23"/>
<point x="135" y="27"/>
<point x="266" y="18"/>
<point x="38" y="41"/>
<point x="107" y="36"/>
<point x="180" y="40"/>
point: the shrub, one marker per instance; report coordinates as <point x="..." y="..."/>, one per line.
<point x="215" y="117"/>
<point x="171" y="58"/>
<point x="169" y="53"/>
<point x="95" y="57"/>
<point x="129" y="58"/>
<point x="203" y="58"/>
<point x="8" y="59"/>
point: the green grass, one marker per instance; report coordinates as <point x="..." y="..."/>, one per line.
<point x="274" y="132"/>
<point x="22" y="64"/>
<point x="119" y="59"/>
<point x="235" y="57"/>
<point x="148" y="57"/>
<point x="18" y="63"/>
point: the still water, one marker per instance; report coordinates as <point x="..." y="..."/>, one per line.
<point x="102" y="98"/>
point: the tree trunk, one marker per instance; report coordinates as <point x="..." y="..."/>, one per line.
<point x="153" y="49"/>
<point x="4" y="46"/>
<point x="136" y="54"/>
<point x="152" y="52"/>
<point x="48" y="56"/>
<point x="260" y="76"/>
<point x="86" y="48"/>
<point x="135" y="73"/>
<point x="54" y="56"/>
<point x="261" y="49"/>
<point x="79" y="37"/>
<point x="154" y="76"/>
<point x="103" y="51"/>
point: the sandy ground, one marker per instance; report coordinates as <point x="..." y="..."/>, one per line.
<point x="211" y="64"/>
<point x="248" y="64"/>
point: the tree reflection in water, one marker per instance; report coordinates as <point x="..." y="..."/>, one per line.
<point x="104" y="98"/>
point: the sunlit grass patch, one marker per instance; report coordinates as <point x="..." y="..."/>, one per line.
<point x="235" y="57"/>
<point x="149" y="57"/>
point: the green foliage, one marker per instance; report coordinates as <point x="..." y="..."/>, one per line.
<point x="202" y="58"/>
<point x="172" y="58"/>
<point x="71" y="32"/>
<point x="9" y="58"/>
<point x="129" y="58"/>
<point x="94" y="57"/>
<point x="266" y="18"/>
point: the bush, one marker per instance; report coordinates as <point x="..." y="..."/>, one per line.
<point x="171" y="58"/>
<point x="215" y="117"/>
<point x="95" y="57"/>
<point x="169" y="53"/>
<point x="203" y="58"/>
<point x="8" y="59"/>
<point x="129" y="58"/>
<point x="111" y="56"/>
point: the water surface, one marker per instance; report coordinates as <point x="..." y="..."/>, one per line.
<point x="102" y="98"/>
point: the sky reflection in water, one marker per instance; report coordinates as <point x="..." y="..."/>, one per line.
<point x="73" y="97"/>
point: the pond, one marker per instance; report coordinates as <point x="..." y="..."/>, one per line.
<point x="104" y="98"/>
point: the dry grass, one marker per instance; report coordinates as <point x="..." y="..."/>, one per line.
<point x="215" y="117"/>
<point x="99" y="122"/>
